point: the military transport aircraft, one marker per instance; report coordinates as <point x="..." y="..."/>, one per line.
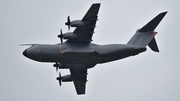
<point x="78" y="53"/>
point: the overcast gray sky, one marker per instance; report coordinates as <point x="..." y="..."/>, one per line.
<point x="149" y="76"/>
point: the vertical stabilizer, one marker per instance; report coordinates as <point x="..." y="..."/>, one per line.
<point x="146" y="35"/>
<point x="150" y="26"/>
<point x="142" y="38"/>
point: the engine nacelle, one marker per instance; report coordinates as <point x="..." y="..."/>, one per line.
<point x="76" y="23"/>
<point x="67" y="78"/>
<point x="70" y="35"/>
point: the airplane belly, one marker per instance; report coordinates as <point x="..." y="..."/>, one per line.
<point x="80" y="59"/>
<point x="113" y="56"/>
<point x="69" y="57"/>
<point x="110" y="53"/>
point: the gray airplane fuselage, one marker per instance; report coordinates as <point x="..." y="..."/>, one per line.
<point x="80" y="55"/>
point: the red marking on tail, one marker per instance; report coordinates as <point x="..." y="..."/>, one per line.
<point x="153" y="33"/>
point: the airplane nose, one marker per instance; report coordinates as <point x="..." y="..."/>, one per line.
<point x="25" y="53"/>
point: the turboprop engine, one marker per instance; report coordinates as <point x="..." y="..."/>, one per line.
<point x="69" y="35"/>
<point x="74" y="23"/>
<point x="66" y="78"/>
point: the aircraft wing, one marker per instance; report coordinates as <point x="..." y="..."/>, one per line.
<point x="86" y="31"/>
<point x="80" y="78"/>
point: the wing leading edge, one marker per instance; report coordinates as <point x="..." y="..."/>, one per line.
<point x="85" y="32"/>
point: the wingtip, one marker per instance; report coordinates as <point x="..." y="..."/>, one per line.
<point x="163" y="13"/>
<point x="96" y="3"/>
<point x="151" y="25"/>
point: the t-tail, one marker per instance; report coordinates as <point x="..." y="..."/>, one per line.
<point x="146" y="35"/>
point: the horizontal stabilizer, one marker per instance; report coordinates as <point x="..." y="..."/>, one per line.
<point x="153" y="45"/>
<point x="153" y="23"/>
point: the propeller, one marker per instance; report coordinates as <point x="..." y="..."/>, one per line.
<point x="57" y="66"/>
<point x="59" y="79"/>
<point x="56" y="69"/>
<point x="61" y="36"/>
<point x="68" y="23"/>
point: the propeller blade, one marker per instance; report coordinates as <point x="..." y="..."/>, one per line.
<point x="60" y="75"/>
<point x="61" y="32"/>
<point x="56" y="69"/>
<point x="69" y="27"/>
<point x="61" y="40"/>
<point x="60" y="79"/>
<point x="61" y="36"/>
<point x="68" y="22"/>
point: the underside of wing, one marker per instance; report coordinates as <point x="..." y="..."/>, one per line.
<point x="80" y="78"/>
<point x="86" y="31"/>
